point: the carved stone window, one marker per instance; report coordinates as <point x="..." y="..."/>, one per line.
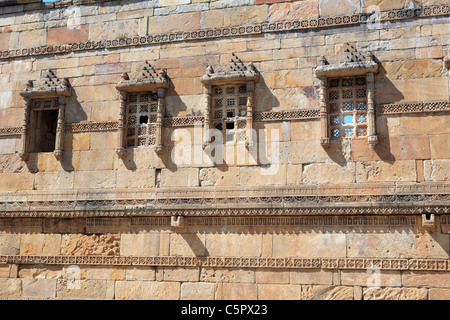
<point x="229" y="101"/>
<point x="43" y="123"/>
<point x="347" y="99"/>
<point x="347" y="107"/>
<point x="142" y="109"/>
<point x="230" y="111"/>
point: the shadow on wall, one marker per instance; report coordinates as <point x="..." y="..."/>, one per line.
<point x="385" y="91"/>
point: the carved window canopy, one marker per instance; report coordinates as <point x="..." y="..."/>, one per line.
<point x="229" y="105"/>
<point x="49" y="95"/>
<point x="351" y="69"/>
<point x="142" y="96"/>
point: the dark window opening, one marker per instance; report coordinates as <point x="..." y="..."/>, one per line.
<point x="230" y="125"/>
<point x="45" y="130"/>
<point x="143" y="119"/>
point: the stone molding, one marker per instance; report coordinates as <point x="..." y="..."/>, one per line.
<point x="404" y="264"/>
<point x="348" y="200"/>
<point x="280" y="26"/>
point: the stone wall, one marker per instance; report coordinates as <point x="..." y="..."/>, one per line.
<point x="48" y="228"/>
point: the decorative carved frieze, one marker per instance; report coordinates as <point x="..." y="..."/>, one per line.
<point x="237" y="262"/>
<point x="278" y="26"/>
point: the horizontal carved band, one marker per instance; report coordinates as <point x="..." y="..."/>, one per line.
<point x="414" y="107"/>
<point x="284" y="221"/>
<point x="91" y="126"/>
<point x="10" y="131"/>
<point x="287" y="115"/>
<point x="363" y="18"/>
<point x="237" y="262"/>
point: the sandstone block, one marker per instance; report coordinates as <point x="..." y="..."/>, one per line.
<point x="180" y="22"/>
<point x="135" y="179"/>
<point x="370" y="278"/>
<point x="437" y="170"/>
<point x="187" y="244"/>
<point x="83" y="289"/>
<point x="425" y="279"/>
<point x="61" y="180"/>
<point x="40" y="244"/>
<point x="104" y="179"/>
<point x="40" y="272"/>
<point x="227" y="275"/>
<point x="327" y="293"/>
<point x="292" y="11"/>
<point x="240" y="291"/>
<point x="39" y="288"/>
<point x="439" y="294"/>
<point x="404" y="170"/>
<point x="197" y="291"/>
<point x="93" y="160"/>
<point x="181" y="177"/>
<point x="322" y="173"/>
<point x="142" y="244"/>
<point x="140" y="273"/>
<point x="234" y="245"/>
<point x="10" y="288"/>
<point x="147" y="290"/>
<point x="179" y="274"/>
<point x="279" y="292"/>
<point x="113" y="29"/>
<point x="313" y="244"/>
<point x="4" y="271"/>
<point x="439" y="146"/>
<point x="272" y="276"/>
<point x="390" y="245"/>
<point x="395" y="294"/>
<point x="10" y="244"/>
<point x="66" y="35"/>
<point x="16" y="181"/>
<point x="103" y="273"/>
<point x="308" y="277"/>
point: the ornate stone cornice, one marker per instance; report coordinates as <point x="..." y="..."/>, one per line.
<point x="413" y="107"/>
<point x="308" y="200"/>
<point x="280" y="26"/>
<point x="49" y="86"/>
<point x="233" y="72"/>
<point x="147" y="79"/>
<point x="325" y="263"/>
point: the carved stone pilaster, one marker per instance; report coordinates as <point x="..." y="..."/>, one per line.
<point x="250" y="108"/>
<point x="371" y="124"/>
<point x="120" y="149"/>
<point x="207" y="118"/>
<point x="23" y="154"/>
<point x="325" y="139"/>
<point x="159" y="119"/>
<point x="59" y="142"/>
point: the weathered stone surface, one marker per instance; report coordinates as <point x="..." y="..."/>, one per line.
<point x="79" y="244"/>
<point x="384" y="171"/>
<point x="240" y="291"/>
<point x="197" y="291"/>
<point x="308" y="277"/>
<point x="313" y="244"/>
<point x="66" y="35"/>
<point x="84" y="289"/>
<point x="439" y="294"/>
<point x="10" y="244"/>
<point x="272" y="276"/>
<point x="140" y="273"/>
<point x="425" y="279"/>
<point x="103" y="273"/>
<point x="39" y="288"/>
<point x="147" y="290"/>
<point x="10" y="288"/>
<point x="437" y="170"/>
<point x="310" y="292"/>
<point x="4" y="271"/>
<point x="234" y="245"/>
<point x="179" y="274"/>
<point x="187" y="244"/>
<point x="142" y="244"/>
<point x="279" y="292"/>
<point x="40" y="272"/>
<point x="40" y="244"/>
<point x="227" y="275"/>
<point x="295" y="10"/>
<point x="181" y="177"/>
<point x="396" y="294"/>
<point x="372" y="277"/>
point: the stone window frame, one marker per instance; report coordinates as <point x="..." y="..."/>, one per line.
<point x="234" y="74"/>
<point x="355" y="64"/>
<point x="151" y="81"/>
<point x="48" y="88"/>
